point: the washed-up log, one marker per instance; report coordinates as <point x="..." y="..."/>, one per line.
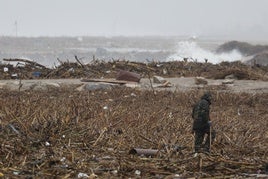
<point x="26" y="61"/>
<point x="120" y="82"/>
<point x="167" y="84"/>
<point x="146" y="152"/>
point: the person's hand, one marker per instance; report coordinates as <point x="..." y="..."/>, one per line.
<point x="209" y="123"/>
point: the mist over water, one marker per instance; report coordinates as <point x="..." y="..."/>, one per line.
<point x="192" y="51"/>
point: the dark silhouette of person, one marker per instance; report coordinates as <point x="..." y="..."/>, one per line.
<point x="202" y="124"/>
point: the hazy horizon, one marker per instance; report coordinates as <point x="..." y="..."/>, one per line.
<point x="226" y="19"/>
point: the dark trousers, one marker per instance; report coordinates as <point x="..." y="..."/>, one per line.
<point x="200" y="143"/>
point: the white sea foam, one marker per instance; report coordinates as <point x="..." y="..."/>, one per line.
<point x="191" y="50"/>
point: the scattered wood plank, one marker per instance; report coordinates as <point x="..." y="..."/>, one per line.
<point x="121" y="82"/>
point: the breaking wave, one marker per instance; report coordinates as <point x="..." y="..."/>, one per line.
<point x="191" y="50"/>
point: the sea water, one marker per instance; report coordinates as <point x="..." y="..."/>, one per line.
<point x="49" y="51"/>
<point x="193" y="50"/>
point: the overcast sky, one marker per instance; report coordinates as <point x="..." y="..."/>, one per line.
<point x="228" y="18"/>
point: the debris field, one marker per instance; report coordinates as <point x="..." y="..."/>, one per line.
<point x="25" y="69"/>
<point x="65" y="133"/>
<point x="130" y="133"/>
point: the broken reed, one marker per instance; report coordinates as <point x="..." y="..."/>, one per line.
<point x="82" y="124"/>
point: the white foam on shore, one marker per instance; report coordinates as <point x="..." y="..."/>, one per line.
<point x="191" y="50"/>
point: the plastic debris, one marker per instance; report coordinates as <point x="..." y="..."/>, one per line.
<point x="82" y="175"/>
<point x="137" y="172"/>
<point x="105" y="108"/>
<point x="36" y="74"/>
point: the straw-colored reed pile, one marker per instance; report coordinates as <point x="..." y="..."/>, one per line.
<point x="49" y="134"/>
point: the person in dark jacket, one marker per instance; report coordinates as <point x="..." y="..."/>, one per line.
<point x="202" y="124"/>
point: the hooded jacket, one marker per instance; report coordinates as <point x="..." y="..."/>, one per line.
<point x="200" y="113"/>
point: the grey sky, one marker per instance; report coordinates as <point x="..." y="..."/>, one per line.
<point x="234" y="18"/>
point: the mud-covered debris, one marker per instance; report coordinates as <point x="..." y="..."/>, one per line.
<point x="200" y="81"/>
<point x="159" y="79"/>
<point x="128" y="76"/>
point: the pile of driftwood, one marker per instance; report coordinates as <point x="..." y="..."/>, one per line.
<point x="26" y="69"/>
<point x="68" y="134"/>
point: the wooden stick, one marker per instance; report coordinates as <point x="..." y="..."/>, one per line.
<point x="24" y="60"/>
<point x="76" y="58"/>
<point x="100" y="136"/>
<point x="200" y="163"/>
